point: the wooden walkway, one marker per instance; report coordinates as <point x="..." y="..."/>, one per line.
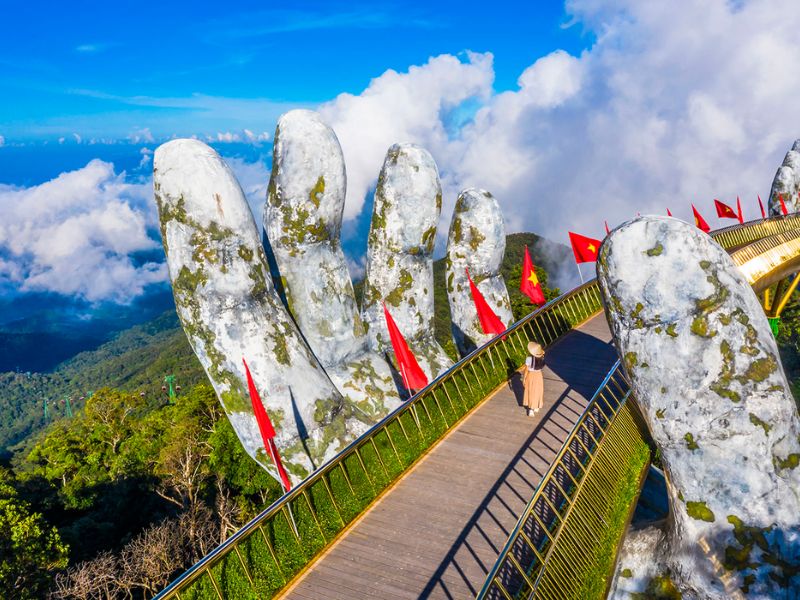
<point x="440" y="529"/>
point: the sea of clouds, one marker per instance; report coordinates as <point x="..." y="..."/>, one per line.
<point x="673" y="103"/>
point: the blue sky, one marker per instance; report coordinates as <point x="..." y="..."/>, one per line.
<point x="571" y="114"/>
<point x="110" y="70"/>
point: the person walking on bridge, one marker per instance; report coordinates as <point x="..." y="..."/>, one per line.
<point x="533" y="380"/>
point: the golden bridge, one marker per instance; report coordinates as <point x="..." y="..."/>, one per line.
<point x="456" y="494"/>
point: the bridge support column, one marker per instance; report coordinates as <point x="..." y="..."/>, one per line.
<point x="782" y="295"/>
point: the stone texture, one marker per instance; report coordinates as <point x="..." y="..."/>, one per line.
<point x="786" y="183"/>
<point x="229" y="309"/>
<point x="408" y="201"/>
<point x="477" y="241"/>
<point x="707" y="374"/>
<point x="302" y="221"/>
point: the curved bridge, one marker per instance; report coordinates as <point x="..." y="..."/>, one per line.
<point x="457" y="493"/>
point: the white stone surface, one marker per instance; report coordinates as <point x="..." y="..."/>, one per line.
<point x="302" y="220"/>
<point x="786" y="183"/>
<point x="476" y="241"/>
<point x="230" y="310"/>
<point x="408" y="201"/>
<point x="706" y="372"/>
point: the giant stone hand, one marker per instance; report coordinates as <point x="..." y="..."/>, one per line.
<point x="320" y="365"/>
<point x="706" y="373"/>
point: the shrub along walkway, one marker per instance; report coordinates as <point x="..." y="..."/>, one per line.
<point x="439" y="530"/>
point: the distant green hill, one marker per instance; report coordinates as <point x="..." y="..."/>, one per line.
<point x="138" y="358"/>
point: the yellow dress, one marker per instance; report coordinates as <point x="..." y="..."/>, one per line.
<point x="534" y="386"/>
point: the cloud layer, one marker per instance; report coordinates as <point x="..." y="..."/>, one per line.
<point x="82" y="234"/>
<point x="666" y="108"/>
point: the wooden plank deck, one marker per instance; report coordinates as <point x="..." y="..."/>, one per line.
<point x="437" y="533"/>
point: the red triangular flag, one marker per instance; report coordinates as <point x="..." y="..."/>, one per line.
<point x="669" y="214"/>
<point x="413" y="376"/>
<point x="529" y="282"/>
<point x="783" y="205"/>
<point x="490" y="322"/>
<point x="761" y="206"/>
<point x="607" y="231"/>
<point x="699" y="221"/>
<point x="724" y="211"/>
<point x="266" y="428"/>
<point x="584" y="248"/>
<point x="739" y="210"/>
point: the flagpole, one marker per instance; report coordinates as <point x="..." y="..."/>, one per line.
<point x="578" y="266"/>
<point x="405" y="383"/>
<point x="273" y="449"/>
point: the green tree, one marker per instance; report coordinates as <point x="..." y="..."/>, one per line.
<point x="30" y="549"/>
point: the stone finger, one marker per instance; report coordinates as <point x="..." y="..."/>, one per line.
<point x="477" y="241"/>
<point x="302" y="222"/>
<point x="705" y="369"/>
<point x="229" y="310"/>
<point x="786" y="184"/>
<point x="408" y="201"/>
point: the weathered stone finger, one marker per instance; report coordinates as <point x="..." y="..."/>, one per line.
<point x="229" y="310"/>
<point x="302" y="221"/>
<point x="477" y="241"/>
<point x="706" y="372"/>
<point x="408" y="201"/>
<point x="786" y="183"/>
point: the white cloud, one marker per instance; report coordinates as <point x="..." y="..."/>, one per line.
<point x="77" y="138"/>
<point x="2" y="141"/>
<point x="253" y="178"/>
<point x="147" y="157"/>
<point x="255" y="138"/>
<point x="77" y="234"/>
<point x="402" y="107"/>
<point x="142" y="135"/>
<point x="667" y="107"/>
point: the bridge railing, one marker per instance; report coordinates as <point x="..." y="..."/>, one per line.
<point x="746" y="233"/>
<point x="269" y="551"/>
<point x="564" y="544"/>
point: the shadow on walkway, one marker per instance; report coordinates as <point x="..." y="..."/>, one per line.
<point x="580" y="360"/>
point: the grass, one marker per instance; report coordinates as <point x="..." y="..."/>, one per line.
<point x="604" y="551"/>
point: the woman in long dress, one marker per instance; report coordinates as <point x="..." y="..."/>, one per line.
<point x="533" y="381"/>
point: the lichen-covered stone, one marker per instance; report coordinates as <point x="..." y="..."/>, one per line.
<point x="732" y="482"/>
<point x="229" y="310"/>
<point x="786" y="183"/>
<point x="302" y="221"/>
<point x="408" y="201"/>
<point x="477" y="241"/>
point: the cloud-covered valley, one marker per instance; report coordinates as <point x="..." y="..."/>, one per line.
<point x="669" y="104"/>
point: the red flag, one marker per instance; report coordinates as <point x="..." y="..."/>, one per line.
<point x="783" y="205"/>
<point x="266" y="428"/>
<point x="414" y="377"/>
<point x="739" y="210"/>
<point x="607" y="231"/>
<point x="761" y="206"/>
<point x="724" y="211"/>
<point x="490" y="322"/>
<point x="669" y="214"/>
<point x="584" y="248"/>
<point x="529" y="283"/>
<point x="699" y="221"/>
